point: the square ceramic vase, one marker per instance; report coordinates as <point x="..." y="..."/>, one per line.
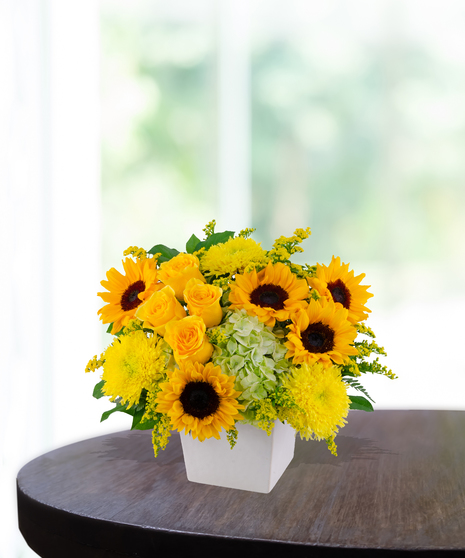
<point x="256" y="462"/>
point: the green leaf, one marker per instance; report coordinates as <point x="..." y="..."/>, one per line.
<point x="360" y="403"/>
<point x="146" y="425"/>
<point x="115" y="409"/>
<point x="166" y="253"/>
<point x="191" y="244"/>
<point x="215" y="238"/>
<point x="98" y="393"/>
<point x="118" y="333"/>
<point x="136" y="418"/>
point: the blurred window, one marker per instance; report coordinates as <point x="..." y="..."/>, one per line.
<point x="347" y="117"/>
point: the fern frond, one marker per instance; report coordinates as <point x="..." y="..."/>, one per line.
<point x="352" y="382"/>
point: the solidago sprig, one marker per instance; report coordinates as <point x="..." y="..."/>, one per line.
<point x="284" y="247"/>
<point x="359" y="364"/>
<point x="265" y="414"/>
<point x="245" y="233"/>
<point x="95" y="363"/>
<point x="160" y="422"/>
<point x="161" y="433"/>
<point x="135" y="251"/>
<point x="231" y="436"/>
<point x="209" y="229"/>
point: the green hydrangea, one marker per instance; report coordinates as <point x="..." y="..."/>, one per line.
<point x="254" y="353"/>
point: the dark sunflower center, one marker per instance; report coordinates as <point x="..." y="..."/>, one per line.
<point x="340" y="293"/>
<point x="318" y="338"/>
<point x="129" y="300"/>
<point x="270" y="296"/>
<point x="199" y="399"/>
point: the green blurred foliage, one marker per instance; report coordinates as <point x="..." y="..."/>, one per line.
<point x="341" y="148"/>
<point x="158" y="127"/>
<point x="357" y="131"/>
<point x="158" y="94"/>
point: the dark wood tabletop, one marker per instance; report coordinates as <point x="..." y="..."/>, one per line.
<point x="397" y="488"/>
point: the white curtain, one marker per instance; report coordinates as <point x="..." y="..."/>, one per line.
<point x="50" y="233"/>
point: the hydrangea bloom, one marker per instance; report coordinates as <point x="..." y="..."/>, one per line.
<point x="253" y="353"/>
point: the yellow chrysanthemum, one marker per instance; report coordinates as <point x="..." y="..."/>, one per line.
<point x="322" y="398"/>
<point x="128" y="291"/>
<point x="274" y="293"/>
<point x="199" y="399"/>
<point x="133" y="363"/>
<point x="321" y="333"/>
<point x="336" y="282"/>
<point x="233" y="256"/>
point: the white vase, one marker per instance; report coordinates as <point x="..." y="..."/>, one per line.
<point x="256" y="462"/>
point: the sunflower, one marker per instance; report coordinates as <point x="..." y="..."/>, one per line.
<point x="132" y="363"/>
<point x="272" y="294"/>
<point x="128" y="291"/>
<point x="233" y="256"/>
<point x="322" y="401"/>
<point x="199" y="399"/>
<point x="321" y="333"/>
<point x="337" y="283"/>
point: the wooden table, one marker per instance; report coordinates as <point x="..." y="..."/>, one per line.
<point x="397" y="486"/>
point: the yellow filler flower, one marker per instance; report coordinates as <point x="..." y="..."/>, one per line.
<point x="199" y="399"/>
<point x="336" y="282"/>
<point x="128" y="291"/>
<point x="133" y="363"/>
<point x="233" y="256"/>
<point x="321" y="333"/>
<point x="322" y="399"/>
<point x="274" y="293"/>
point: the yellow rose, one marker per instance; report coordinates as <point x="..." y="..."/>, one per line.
<point x="177" y="272"/>
<point x="162" y="307"/>
<point x="204" y="300"/>
<point x="188" y="340"/>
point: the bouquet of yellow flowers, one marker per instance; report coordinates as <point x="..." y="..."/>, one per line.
<point x="227" y="331"/>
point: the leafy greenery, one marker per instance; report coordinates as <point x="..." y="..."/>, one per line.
<point x="98" y="393"/>
<point x="136" y="420"/>
<point x="118" y="408"/>
<point x="136" y="411"/>
<point x="353" y="383"/>
<point x="191" y="244"/>
<point x="166" y="253"/>
<point x="215" y="238"/>
<point x="118" y="333"/>
<point x="360" y="403"/>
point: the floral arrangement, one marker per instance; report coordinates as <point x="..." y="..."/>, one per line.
<point x="227" y="331"/>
